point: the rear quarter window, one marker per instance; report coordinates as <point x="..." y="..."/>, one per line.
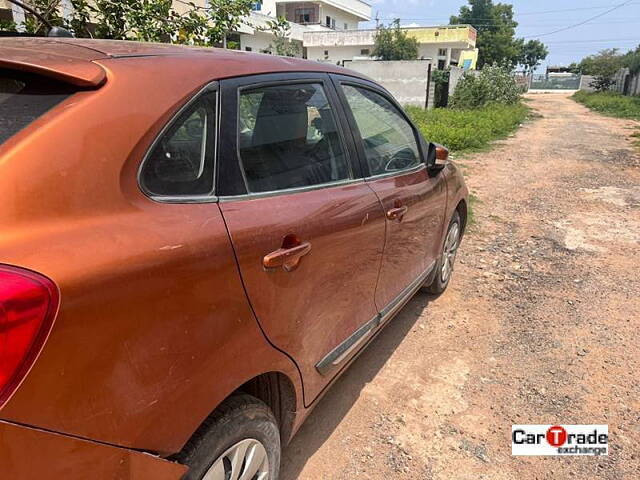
<point x="24" y="98"/>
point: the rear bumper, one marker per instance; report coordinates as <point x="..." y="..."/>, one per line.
<point x="31" y="454"/>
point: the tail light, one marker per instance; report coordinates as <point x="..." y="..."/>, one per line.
<point x="28" y="305"/>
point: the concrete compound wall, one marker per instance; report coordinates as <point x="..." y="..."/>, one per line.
<point x="627" y="83"/>
<point x="407" y="81"/>
<point x="455" y="74"/>
<point x="585" y="83"/>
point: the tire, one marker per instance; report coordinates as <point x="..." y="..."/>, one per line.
<point x="440" y="280"/>
<point x="236" y="430"/>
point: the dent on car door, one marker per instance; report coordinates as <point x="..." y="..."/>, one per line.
<point x="413" y="200"/>
<point x="307" y="231"/>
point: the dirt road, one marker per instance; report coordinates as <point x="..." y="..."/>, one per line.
<point x="539" y="326"/>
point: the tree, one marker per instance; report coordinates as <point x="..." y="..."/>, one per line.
<point x="145" y="20"/>
<point x="533" y="52"/>
<point x="574" y="68"/>
<point x="224" y="17"/>
<point x="48" y="9"/>
<point x="80" y="22"/>
<point x="282" y="44"/>
<point x="603" y="66"/>
<point x="631" y="60"/>
<point x="496" y="28"/>
<point x="393" y="43"/>
<point x="7" y="25"/>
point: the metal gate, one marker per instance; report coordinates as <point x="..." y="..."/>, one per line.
<point x="555" y="82"/>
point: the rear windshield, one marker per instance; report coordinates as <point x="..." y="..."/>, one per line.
<point x="25" y="97"/>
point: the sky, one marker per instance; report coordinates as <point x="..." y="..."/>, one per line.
<point x="538" y="19"/>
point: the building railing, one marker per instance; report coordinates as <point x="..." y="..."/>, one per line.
<point x="463" y="36"/>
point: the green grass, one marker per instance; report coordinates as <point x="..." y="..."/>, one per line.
<point x="636" y="138"/>
<point x="471" y="215"/>
<point x="468" y="130"/>
<point x="609" y="103"/>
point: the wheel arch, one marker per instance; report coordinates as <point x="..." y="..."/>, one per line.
<point x="276" y="389"/>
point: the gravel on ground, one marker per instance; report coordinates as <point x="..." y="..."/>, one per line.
<point x="539" y="325"/>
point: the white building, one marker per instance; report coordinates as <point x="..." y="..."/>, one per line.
<point x="313" y="16"/>
<point x="326" y="30"/>
<point x="318" y="15"/>
<point x="443" y="45"/>
<point x="325" y="15"/>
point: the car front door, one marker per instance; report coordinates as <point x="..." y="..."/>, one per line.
<point x="413" y="200"/>
<point x="307" y="230"/>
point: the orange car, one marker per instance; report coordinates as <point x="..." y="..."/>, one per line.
<point x="195" y="244"/>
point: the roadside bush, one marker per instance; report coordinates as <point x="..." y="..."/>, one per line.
<point x="441" y="80"/>
<point x="461" y="130"/>
<point x="610" y="103"/>
<point x="494" y="84"/>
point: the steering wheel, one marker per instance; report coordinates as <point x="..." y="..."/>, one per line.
<point x="400" y="160"/>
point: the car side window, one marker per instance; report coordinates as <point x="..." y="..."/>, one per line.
<point x="389" y="140"/>
<point x="288" y="138"/>
<point x="181" y="161"/>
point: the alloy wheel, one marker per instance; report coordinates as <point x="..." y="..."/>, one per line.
<point x="246" y="460"/>
<point x="449" y="251"/>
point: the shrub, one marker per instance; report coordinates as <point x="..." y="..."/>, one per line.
<point x="461" y="130"/>
<point x="610" y="103"/>
<point x="603" y="66"/>
<point x="493" y="85"/>
<point x="440" y="78"/>
<point x="394" y="43"/>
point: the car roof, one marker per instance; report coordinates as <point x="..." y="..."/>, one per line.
<point x="74" y="60"/>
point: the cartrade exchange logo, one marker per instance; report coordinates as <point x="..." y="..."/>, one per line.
<point x="560" y="440"/>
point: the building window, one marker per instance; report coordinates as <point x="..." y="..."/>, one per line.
<point x="346" y="26"/>
<point x="365" y="52"/>
<point x="256" y="6"/>
<point x="303" y="15"/>
<point x="6" y="15"/>
<point x="248" y="49"/>
<point x="441" y="64"/>
<point x="442" y="52"/>
<point x="330" y="22"/>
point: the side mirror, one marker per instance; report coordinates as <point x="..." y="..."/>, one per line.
<point x="437" y="157"/>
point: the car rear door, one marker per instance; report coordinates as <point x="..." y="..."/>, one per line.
<point x="413" y="200"/>
<point x="307" y="231"/>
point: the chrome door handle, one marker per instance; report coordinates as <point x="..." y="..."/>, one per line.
<point x="287" y="258"/>
<point x="397" y="213"/>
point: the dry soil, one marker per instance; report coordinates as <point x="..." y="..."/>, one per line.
<point x="539" y="325"/>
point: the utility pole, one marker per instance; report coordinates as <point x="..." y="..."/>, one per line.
<point x="377" y="20"/>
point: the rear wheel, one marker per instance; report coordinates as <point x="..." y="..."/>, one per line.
<point x="240" y="441"/>
<point x="446" y="261"/>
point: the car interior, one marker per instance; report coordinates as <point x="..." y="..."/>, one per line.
<point x="292" y="141"/>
